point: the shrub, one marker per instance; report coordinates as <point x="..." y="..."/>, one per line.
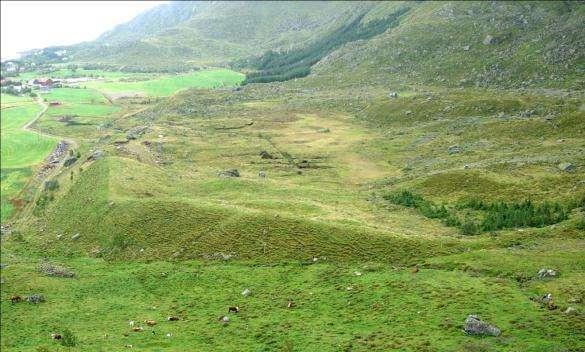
<point x="496" y="216"/>
<point x="68" y="339"/>
<point x="51" y="185"/>
<point x="469" y="227"/>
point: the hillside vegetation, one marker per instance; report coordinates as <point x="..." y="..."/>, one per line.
<point x="404" y="165"/>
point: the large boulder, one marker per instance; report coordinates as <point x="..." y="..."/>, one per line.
<point x="69" y="161"/>
<point x="95" y="155"/>
<point x="476" y="326"/>
<point x="265" y="155"/>
<point x="454" y="149"/>
<point x="135" y="132"/>
<point x="229" y="173"/>
<point x="567" y="167"/>
<point x="546" y="273"/>
<point x="489" y="40"/>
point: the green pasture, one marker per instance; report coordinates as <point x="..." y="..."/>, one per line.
<point x="168" y="84"/>
<point x="20" y="150"/>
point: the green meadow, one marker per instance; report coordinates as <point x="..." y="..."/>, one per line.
<point x="162" y="235"/>
<point x="165" y="85"/>
<point x="20" y="150"/>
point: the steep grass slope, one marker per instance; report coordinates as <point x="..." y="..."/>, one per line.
<point x="187" y="34"/>
<point x="503" y="44"/>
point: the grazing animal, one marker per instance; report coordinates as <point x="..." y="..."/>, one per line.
<point x="56" y="336"/>
<point x="172" y="318"/>
<point x="150" y="322"/>
<point x="233" y="309"/>
<point x="414" y="269"/>
<point x="290" y="304"/>
<point x="137" y="328"/>
<point x="15" y="299"/>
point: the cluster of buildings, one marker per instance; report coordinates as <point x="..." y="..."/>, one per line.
<point x="42" y="84"/>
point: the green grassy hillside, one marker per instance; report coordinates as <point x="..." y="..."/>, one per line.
<point x="407" y="182"/>
<point x="471" y="44"/>
<point x="21" y="150"/>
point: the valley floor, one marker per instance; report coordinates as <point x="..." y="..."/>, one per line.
<point x="174" y="206"/>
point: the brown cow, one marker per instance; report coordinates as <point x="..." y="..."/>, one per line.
<point x="15" y="299"/>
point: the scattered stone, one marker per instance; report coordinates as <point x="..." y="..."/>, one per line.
<point x="415" y="269"/>
<point x="466" y="48"/>
<point x="131" y="322"/>
<point x="169" y="334"/>
<point x="35" y="298"/>
<point x="265" y="155"/>
<point x="75" y="237"/>
<point x="408" y="112"/>
<point x="55" y="270"/>
<point x="393" y="95"/>
<point x="224" y="319"/>
<point x="247" y="292"/>
<point x="95" y="155"/>
<point x="489" y="40"/>
<point x="323" y="130"/>
<point x="5" y="229"/>
<point x="454" y="149"/>
<point x="571" y="311"/>
<point x="135" y="132"/>
<point x="567" y="167"/>
<point x="546" y="301"/>
<point x="475" y="326"/>
<point x="229" y="173"/>
<point x="220" y="255"/>
<point x="262" y="173"/>
<point x="303" y="164"/>
<point x="357" y="273"/>
<point x="544" y="273"/>
<point x="59" y="236"/>
<point x="69" y="161"/>
<point x="527" y="113"/>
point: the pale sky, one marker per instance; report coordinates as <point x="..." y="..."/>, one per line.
<point x="37" y="24"/>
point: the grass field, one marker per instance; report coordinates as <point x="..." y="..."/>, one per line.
<point x="20" y="150"/>
<point x="166" y="85"/>
<point x="381" y="309"/>
<point x="161" y="234"/>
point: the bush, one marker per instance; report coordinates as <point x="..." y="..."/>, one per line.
<point x="496" y="216"/>
<point x="68" y="339"/>
<point x="51" y="185"/>
<point x="469" y="227"/>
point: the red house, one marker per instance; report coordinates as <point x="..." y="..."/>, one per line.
<point x="43" y="82"/>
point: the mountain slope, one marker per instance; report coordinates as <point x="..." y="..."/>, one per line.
<point x="210" y="33"/>
<point x="470" y="44"/>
